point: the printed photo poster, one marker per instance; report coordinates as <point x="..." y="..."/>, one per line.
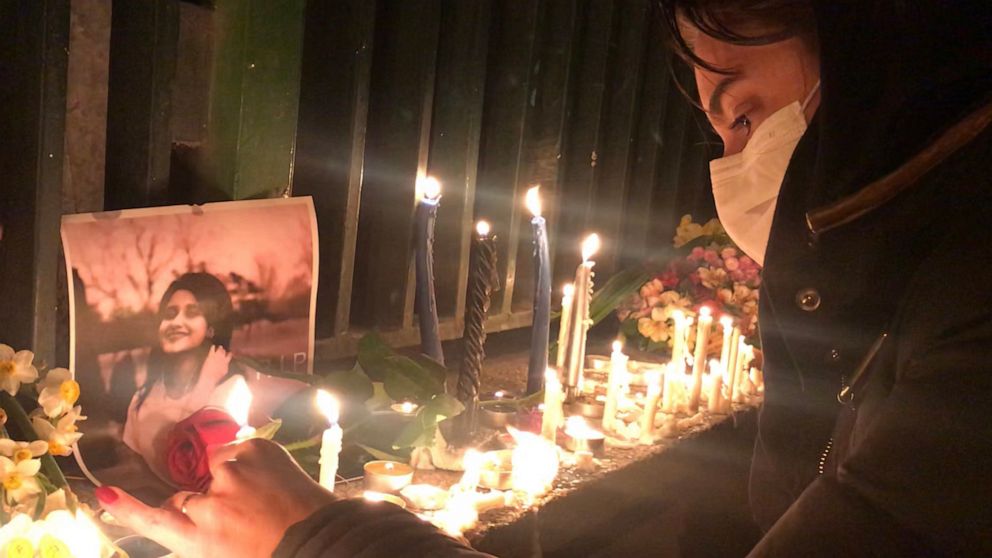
<point x="172" y="310"/>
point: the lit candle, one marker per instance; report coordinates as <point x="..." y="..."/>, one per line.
<point x="239" y="405"/>
<point x="481" y="282"/>
<point x="553" y="399"/>
<point x="653" y="379"/>
<point x="618" y="370"/>
<point x="678" y="341"/>
<point x="579" y="436"/>
<point x="407" y="408"/>
<point x="699" y="360"/>
<point x="387" y="476"/>
<point x="426" y="302"/>
<point x="330" y="445"/>
<point x="735" y="379"/>
<point x="728" y="329"/>
<point x="668" y="402"/>
<point x="535" y="464"/>
<point x="472" y="463"/>
<point x="565" y="324"/>
<point x="715" y="396"/>
<point x="580" y="317"/>
<point x="735" y="341"/>
<point x="540" y="330"/>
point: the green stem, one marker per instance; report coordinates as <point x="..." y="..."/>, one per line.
<point x="16" y="413"/>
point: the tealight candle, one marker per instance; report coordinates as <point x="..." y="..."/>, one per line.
<point x="426" y="497"/>
<point x="497" y="470"/>
<point x="330" y="445"/>
<point x="407" y="408"/>
<point x="387" y="476"/>
<point x="579" y="437"/>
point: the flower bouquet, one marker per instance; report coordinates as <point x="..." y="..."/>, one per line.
<point x="706" y="269"/>
<point x="39" y="514"/>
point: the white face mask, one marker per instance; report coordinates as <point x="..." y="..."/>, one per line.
<point x="746" y="184"/>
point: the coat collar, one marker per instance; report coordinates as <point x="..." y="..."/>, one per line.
<point x="883" y="190"/>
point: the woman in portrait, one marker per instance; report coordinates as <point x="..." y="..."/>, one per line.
<point x="190" y="368"/>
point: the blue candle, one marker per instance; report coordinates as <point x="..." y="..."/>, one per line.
<point x="426" y="302"/>
<point x="542" y="296"/>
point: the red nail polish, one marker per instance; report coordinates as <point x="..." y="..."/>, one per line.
<point x="106" y="495"/>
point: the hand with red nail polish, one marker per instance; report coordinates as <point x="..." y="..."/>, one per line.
<point x="257" y="493"/>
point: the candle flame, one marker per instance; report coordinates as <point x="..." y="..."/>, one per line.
<point x="576" y="426"/>
<point x="568" y="290"/>
<point x="483" y="228"/>
<point x="678" y="316"/>
<point x="328" y="404"/>
<point x="533" y="200"/>
<point x="499" y="394"/>
<point x="705" y="312"/>
<point x="239" y="401"/>
<point x="551" y="378"/>
<point x="408" y="407"/>
<point x="590" y="246"/>
<point x="727" y="322"/>
<point x="716" y="367"/>
<point x="617" y="346"/>
<point x="535" y="463"/>
<point x="653" y="378"/>
<point x="429" y="187"/>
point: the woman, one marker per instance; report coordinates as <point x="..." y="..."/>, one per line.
<point x="191" y="369"/>
<point x="856" y="167"/>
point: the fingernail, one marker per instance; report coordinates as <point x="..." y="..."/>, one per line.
<point x="106" y="495"/>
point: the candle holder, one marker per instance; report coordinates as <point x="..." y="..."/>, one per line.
<point x="579" y="437"/>
<point x="497" y="470"/>
<point x="587" y="407"/>
<point x="497" y="415"/>
<point x="387" y="476"/>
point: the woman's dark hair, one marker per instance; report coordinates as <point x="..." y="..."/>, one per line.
<point x="215" y="303"/>
<point x="740" y="22"/>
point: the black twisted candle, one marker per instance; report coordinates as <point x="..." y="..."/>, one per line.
<point x="482" y="281"/>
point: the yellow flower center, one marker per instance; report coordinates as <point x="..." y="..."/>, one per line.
<point x="69" y="390"/>
<point x="6" y="368"/>
<point x="13" y="482"/>
<point x="19" y="547"/>
<point x="22" y="454"/>
<point x="56" y="448"/>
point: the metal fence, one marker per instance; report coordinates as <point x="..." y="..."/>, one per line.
<point x="489" y="96"/>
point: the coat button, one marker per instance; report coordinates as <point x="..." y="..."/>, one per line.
<point x="808" y="299"/>
<point x="833" y="356"/>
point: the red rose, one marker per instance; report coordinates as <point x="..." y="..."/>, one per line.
<point x="186" y="448"/>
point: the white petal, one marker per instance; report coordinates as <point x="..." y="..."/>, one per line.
<point x="6" y="352"/>
<point x="6" y="466"/>
<point x="23" y="358"/>
<point x="10" y="385"/>
<point x="38" y="447"/>
<point x="26" y="374"/>
<point x="29" y="467"/>
<point x="7" y="446"/>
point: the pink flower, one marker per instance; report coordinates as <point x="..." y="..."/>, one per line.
<point x="711" y="257"/>
<point x="731" y="263"/>
<point x="747" y="262"/>
<point x="728" y="253"/>
<point x="697" y="253"/>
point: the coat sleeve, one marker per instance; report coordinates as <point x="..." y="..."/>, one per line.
<point x="360" y="529"/>
<point x="917" y="479"/>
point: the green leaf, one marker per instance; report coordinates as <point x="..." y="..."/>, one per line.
<point x="40" y="506"/>
<point x="443" y="406"/>
<point x="434" y="367"/>
<point x="353" y="384"/>
<point x="616" y="290"/>
<point x="268" y="431"/>
<point x="405" y="379"/>
<point x="418" y="433"/>
<point x="372" y="354"/>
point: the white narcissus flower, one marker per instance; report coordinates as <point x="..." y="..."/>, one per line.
<point x="62" y="435"/>
<point x="18" y="479"/>
<point x="16" y="368"/>
<point x="20" y="451"/>
<point x="58" y="392"/>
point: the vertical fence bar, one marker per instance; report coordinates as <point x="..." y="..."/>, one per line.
<point x="33" y="62"/>
<point x="144" y="41"/>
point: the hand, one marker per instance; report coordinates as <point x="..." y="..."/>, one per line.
<point x="215" y="367"/>
<point x="257" y="493"/>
